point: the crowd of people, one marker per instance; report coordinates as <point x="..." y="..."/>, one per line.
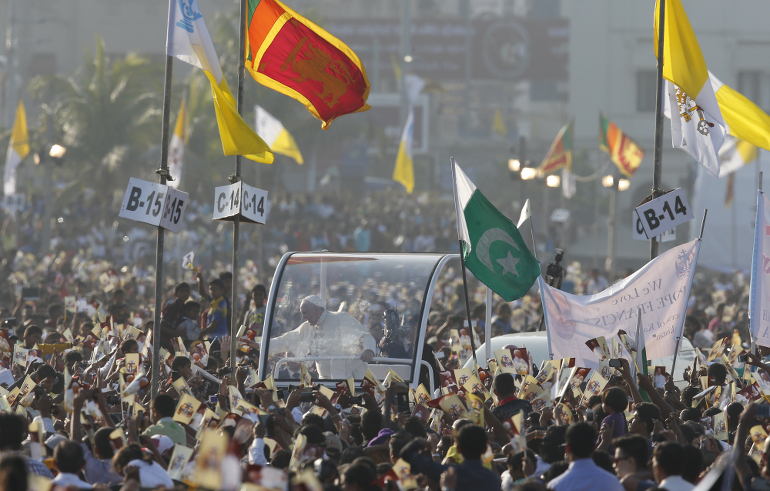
<point x="77" y="409"/>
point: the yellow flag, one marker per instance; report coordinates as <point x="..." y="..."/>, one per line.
<point x="498" y="124"/>
<point x="18" y="148"/>
<point x="404" y="171"/>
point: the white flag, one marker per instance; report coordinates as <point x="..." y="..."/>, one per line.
<point x="526" y="212"/>
<point x="759" y="298"/>
<point x="568" y="184"/>
<point x="187" y="260"/>
<point x="693" y="129"/>
<point x="660" y="288"/>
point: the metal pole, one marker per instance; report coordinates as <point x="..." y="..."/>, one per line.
<point x="406" y="50"/>
<point x="233" y="179"/>
<point x="657" y="168"/>
<point x="13" y="56"/>
<point x="467" y="302"/>
<point x="45" y="240"/>
<point x="609" y="264"/>
<point x="163" y="173"/>
<point x="488" y="325"/>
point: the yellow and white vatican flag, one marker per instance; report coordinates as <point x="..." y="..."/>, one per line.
<point x="18" y="148"/>
<point x="275" y="135"/>
<point x="176" y="148"/>
<point x="188" y="40"/>
<point x="743" y="119"/>
<point x="697" y="126"/>
<point x="734" y="154"/>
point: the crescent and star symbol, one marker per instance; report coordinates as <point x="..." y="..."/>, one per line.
<point x="485" y="242"/>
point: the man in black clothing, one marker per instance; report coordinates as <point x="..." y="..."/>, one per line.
<point x="509" y="405"/>
<point x="471" y="474"/>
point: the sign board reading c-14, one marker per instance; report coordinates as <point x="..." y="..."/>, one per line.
<point x="154" y="203"/>
<point x="240" y="199"/>
<point x="664" y="213"/>
<point x="637" y="230"/>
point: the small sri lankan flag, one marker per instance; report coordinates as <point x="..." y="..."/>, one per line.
<point x="290" y="54"/>
<point x="624" y="152"/>
<point x="560" y="154"/>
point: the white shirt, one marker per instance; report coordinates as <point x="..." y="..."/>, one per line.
<point x="584" y="475"/>
<point x="337" y="334"/>
<point x="257" y="452"/>
<point x="676" y="483"/>
<point x="66" y="479"/>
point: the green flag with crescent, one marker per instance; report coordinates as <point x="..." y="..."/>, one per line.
<point x="493" y="249"/>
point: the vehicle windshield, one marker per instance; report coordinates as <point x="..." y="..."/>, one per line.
<point x="371" y="302"/>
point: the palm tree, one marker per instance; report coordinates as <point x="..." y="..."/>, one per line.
<point x="106" y="116"/>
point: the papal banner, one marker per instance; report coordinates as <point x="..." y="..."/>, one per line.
<point x="759" y="301"/>
<point x="660" y="289"/>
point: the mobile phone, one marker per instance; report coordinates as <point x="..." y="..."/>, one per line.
<point x="742" y="358"/>
<point x="402" y="403"/>
<point x="589" y="414"/>
<point x="140" y="414"/>
<point x="355" y="400"/>
<point x="615" y="363"/>
<point x="213" y="400"/>
<point x="279" y="393"/>
<point x="762" y="411"/>
<point x="306" y="397"/>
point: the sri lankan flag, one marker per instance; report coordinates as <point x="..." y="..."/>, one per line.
<point x="290" y="54"/>
<point x="560" y="153"/>
<point x="624" y="152"/>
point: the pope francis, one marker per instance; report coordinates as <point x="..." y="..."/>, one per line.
<point x="327" y="333"/>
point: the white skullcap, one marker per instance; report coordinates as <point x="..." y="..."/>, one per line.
<point x="315" y="300"/>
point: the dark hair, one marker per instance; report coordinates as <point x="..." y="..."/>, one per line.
<point x="371" y="423"/>
<point x="557" y="469"/>
<point x="165" y="405"/>
<point x="693" y="463"/>
<point x="54" y="307"/>
<point x="44" y="372"/>
<point x="734" y="411"/>
<point x="594" y="400"/>
<point x="30" y="330"/>
<point x="69" y="457"/>
<point x="415" y="426"/>
<point x="362" y="476"/>
<point x="261" y="288"/>
<point x="670" y="458"/>
<point x="313" y="433"/>
<point x="118" y="291"/>
<point x="581" y="440"/>
<point x="711" y="411"/>
<point x="191" y="304"/>
<point x="12" y="430"/>
<point x="616" y="398"/>
<point x="281" y="459"/>
<point x="58" y="385"/>
<point x="688" y="432"/>
<point x="224" y="275"/>
<point x="179" y="362"/>
<point x="72" y="357"/>
<point x="398" y="441"/>
<point x="350" y="454"/>
<point x="648" y="412"/>
<point x="550" y="449"/>
<point x="472" y="441"/>
<point x="218" y="283"/>
<point x="102" y="443"/>
<point x="691" y="414"/>
<point x="314" y="420"/>
<point x="718" y="372"/>
<point x="603" y="460"/>
<point x="126" y="455"/>
<point x="504" y="385"/>
<point x="128" y="345"/>
<point x="634" y="446"/>
<point x="688" y="393"/>
<point x="181" y="286"/>
<point x="13" y="472"/>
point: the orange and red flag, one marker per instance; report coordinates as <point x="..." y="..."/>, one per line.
<point x="290" y="54"/>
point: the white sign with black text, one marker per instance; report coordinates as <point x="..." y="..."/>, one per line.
<point x="240" y="198"/>
<point x="153" y="203"/>
<point x="14" y="202"/>
<point x="664" y="213"/>
<point x="637" y="230"/>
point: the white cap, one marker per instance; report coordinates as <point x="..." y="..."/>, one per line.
<point x="315" y="300"/>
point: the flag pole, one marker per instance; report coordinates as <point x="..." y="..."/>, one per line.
<point x="471" y="332"/>
<point x="751" y="334"/>
<point x="233" y="179"/>
<point x="657" y="168"/>
<point x="163" y="174"/>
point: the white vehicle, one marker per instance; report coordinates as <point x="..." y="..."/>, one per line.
<point x="537" y="344"/>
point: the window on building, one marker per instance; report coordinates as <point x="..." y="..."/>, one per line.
<point x="645" y="90"/>
<point x="750" y="85"/>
